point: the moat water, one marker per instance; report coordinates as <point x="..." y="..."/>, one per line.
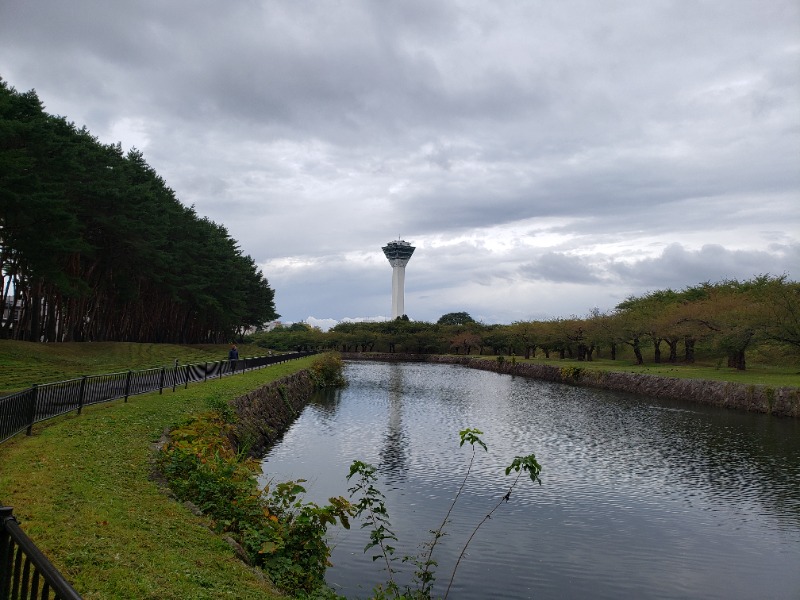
<point x="639" y="498"/>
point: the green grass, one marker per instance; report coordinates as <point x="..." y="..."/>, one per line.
<point x="24" y="363"/>
<point x="756" y="374"/>
<point x="81" y="487"/>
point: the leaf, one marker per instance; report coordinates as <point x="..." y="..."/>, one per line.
<point x="471" y="435"/>
<point x="268" y="548"/>
<point x="527" y="464"/>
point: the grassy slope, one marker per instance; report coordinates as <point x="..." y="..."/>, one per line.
<point x="81" y="488"/>
<point x="24" y="363"/>
<point x="774" y="376"/>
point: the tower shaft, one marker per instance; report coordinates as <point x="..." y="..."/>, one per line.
<point x="398" y="291"/>
<point x="398" y="253"/>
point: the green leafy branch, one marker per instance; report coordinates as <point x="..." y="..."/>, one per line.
<point x="372" y="505"/>
<point x="425" y="575"/>
<point x="520" y="464"/>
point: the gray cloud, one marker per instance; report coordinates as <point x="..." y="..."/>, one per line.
<point x="561" y="268"/>
<point x="544" y="158"/>
<point x="677" y="267"/>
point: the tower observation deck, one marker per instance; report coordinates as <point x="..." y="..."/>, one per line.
<point x="398" y="253"/>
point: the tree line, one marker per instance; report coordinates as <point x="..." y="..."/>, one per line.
<point x="95" y="246"/>
<point x="723" y="321"/>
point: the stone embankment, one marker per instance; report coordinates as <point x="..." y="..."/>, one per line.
<point x="781" y="401"/>
<point x="265" y="413"/>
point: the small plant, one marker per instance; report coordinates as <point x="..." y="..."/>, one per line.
<point x="293" y="545"/>
<point x="520" y="464"/>
<point x="372" y="506"/>
<point x="283" y="392"/>
<point x="769" y="394"/>
<point x="571" y="373"/>
<point x="376" y="517"/>
<point x="328" y="371"/>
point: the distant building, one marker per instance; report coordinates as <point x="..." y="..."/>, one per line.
<point x="399" y="253"/>
<point x="272" y="325"/>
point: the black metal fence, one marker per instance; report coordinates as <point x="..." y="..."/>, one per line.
<point x="22" y="410"/>
<point x="25" y="573"/>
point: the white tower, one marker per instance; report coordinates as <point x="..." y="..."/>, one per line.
<point x="399" y="253"/>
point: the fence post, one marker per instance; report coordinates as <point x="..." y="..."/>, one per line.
<point x="81" y="394"/>
<point x="32" y="411"/>
<point x="6" y="553"/>
<point x="175" y="375"/>
<point x="187" y="378"/>
<point x="205" y="372"/>
<point x="128" y="385"/>
<point x="161" y="381"/>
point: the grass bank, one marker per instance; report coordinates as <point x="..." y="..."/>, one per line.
<point x="756" y="374"/>
<point x="24" y="363"/>
<point x="81" y="488"/>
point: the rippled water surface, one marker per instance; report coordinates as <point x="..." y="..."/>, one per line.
<point x="640" y="498"/>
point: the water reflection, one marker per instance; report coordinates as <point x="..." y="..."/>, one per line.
<point x="394" y="452"/>
<point x="326" y="402"/>
<point x="640" y="498"/>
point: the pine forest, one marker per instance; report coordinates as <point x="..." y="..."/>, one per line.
<point x="94" y="246"/>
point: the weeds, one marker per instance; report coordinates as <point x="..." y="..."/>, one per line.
<point x="279" y="532"/>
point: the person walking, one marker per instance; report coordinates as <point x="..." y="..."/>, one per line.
<point x="233" y="357"/>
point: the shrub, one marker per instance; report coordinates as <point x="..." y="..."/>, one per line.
<point x="328" y="370"/>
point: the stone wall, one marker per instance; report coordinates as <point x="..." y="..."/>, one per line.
<point x="781" y="401"/>
<point x="265" y="413"/>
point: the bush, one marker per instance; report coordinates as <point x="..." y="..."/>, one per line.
<point x="328" y="370"/>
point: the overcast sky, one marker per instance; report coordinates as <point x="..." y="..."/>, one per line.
<point x="545" y="158"/>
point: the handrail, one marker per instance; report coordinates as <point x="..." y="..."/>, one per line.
<point x="21" y="410"/>
<point x="25" y="572"/>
